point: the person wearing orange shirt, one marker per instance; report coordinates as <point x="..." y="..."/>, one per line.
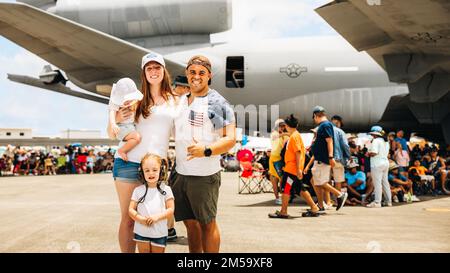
<point x="292" y="181"/>
<point x="422" y="172"/>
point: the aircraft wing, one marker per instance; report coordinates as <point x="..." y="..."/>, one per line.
<point x="89" y="58"/>
<point x="58" y="87"/>
<point x="410" y="39"/>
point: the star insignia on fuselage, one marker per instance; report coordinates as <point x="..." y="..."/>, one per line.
<point x="293" y="70"/>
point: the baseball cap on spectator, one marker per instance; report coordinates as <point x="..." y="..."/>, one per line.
<point x="376" y="130"/>
<point x="181" y="81"/>
<point x="279" y="122"/>
<point x="352" y="164"/>
<point x="318" y="109"/>
<point x="125" y="89"/>
<point x="152" y="56"/>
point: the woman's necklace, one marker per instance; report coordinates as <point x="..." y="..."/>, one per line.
<point x="159" y="101"/>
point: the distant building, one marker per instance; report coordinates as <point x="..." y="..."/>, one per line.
<point x="81" y="134"/>
<point x="16" y="133"/>
<point x="24" y="137"/>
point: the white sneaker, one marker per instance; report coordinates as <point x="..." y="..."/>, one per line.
<point x="389" y="204"/>
<point x="395" y="199"/>
<point x="415" y="198"/>
<point x="373" y="205"/>
<point x="278" y="201"/>
<point x="327" y="207"/>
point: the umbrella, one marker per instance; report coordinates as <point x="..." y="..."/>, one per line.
<point x="244" y="155"/>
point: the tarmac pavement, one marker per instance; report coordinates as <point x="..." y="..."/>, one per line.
<point x="80" y="213"/>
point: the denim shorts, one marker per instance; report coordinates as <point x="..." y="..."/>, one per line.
<point x="159" y="242"/>
<point x="126" y="171"/>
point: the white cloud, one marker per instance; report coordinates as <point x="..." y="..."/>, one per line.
<point x="259" y="19"/>
<point x="23" y="62"/>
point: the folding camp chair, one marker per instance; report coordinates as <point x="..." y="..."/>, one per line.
<point x="265" y="184"/>
<point x="249" y="179"/>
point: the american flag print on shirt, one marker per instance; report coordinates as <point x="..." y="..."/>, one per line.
<point x="196" y="118"/>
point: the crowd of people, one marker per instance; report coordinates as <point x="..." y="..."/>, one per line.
<point x="71" y="159"/>
<point x="413" y="170"/>
<point x="151" y="198"/>
<point x="387" y="170"/>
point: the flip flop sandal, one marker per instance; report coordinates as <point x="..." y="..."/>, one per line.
<point x="310" y="214"/>
<point x="278" y="215"/>
<point x="318" y="212"/>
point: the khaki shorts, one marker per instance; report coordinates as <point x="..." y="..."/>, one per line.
<point x="195" y="197"/>
<point x="427" y="178"/>
<point x="321" y="173"/>
<point x="338" y="172"/>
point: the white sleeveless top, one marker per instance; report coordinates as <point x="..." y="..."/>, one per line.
<point x="155" y="131"/>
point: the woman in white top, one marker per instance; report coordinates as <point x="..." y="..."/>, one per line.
<point x="154" y="122"/>
<point x="379" y="167"/>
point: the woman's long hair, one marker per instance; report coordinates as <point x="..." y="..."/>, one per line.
<point x="143" y="107"/>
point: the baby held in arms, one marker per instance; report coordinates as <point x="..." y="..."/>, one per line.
<point x="124" y="94"/>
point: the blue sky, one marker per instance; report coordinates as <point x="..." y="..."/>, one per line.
<point x="47" y="113"/>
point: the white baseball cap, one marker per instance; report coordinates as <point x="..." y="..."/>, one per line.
<point x="125" y="89"/>
<point x="278" y="122"/>
<point x="352" y="165"/>
<point x="152" y="56"/>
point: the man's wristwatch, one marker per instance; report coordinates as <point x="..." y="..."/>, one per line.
<point x="331" y="157"/>
<point x="207" y="152"/>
